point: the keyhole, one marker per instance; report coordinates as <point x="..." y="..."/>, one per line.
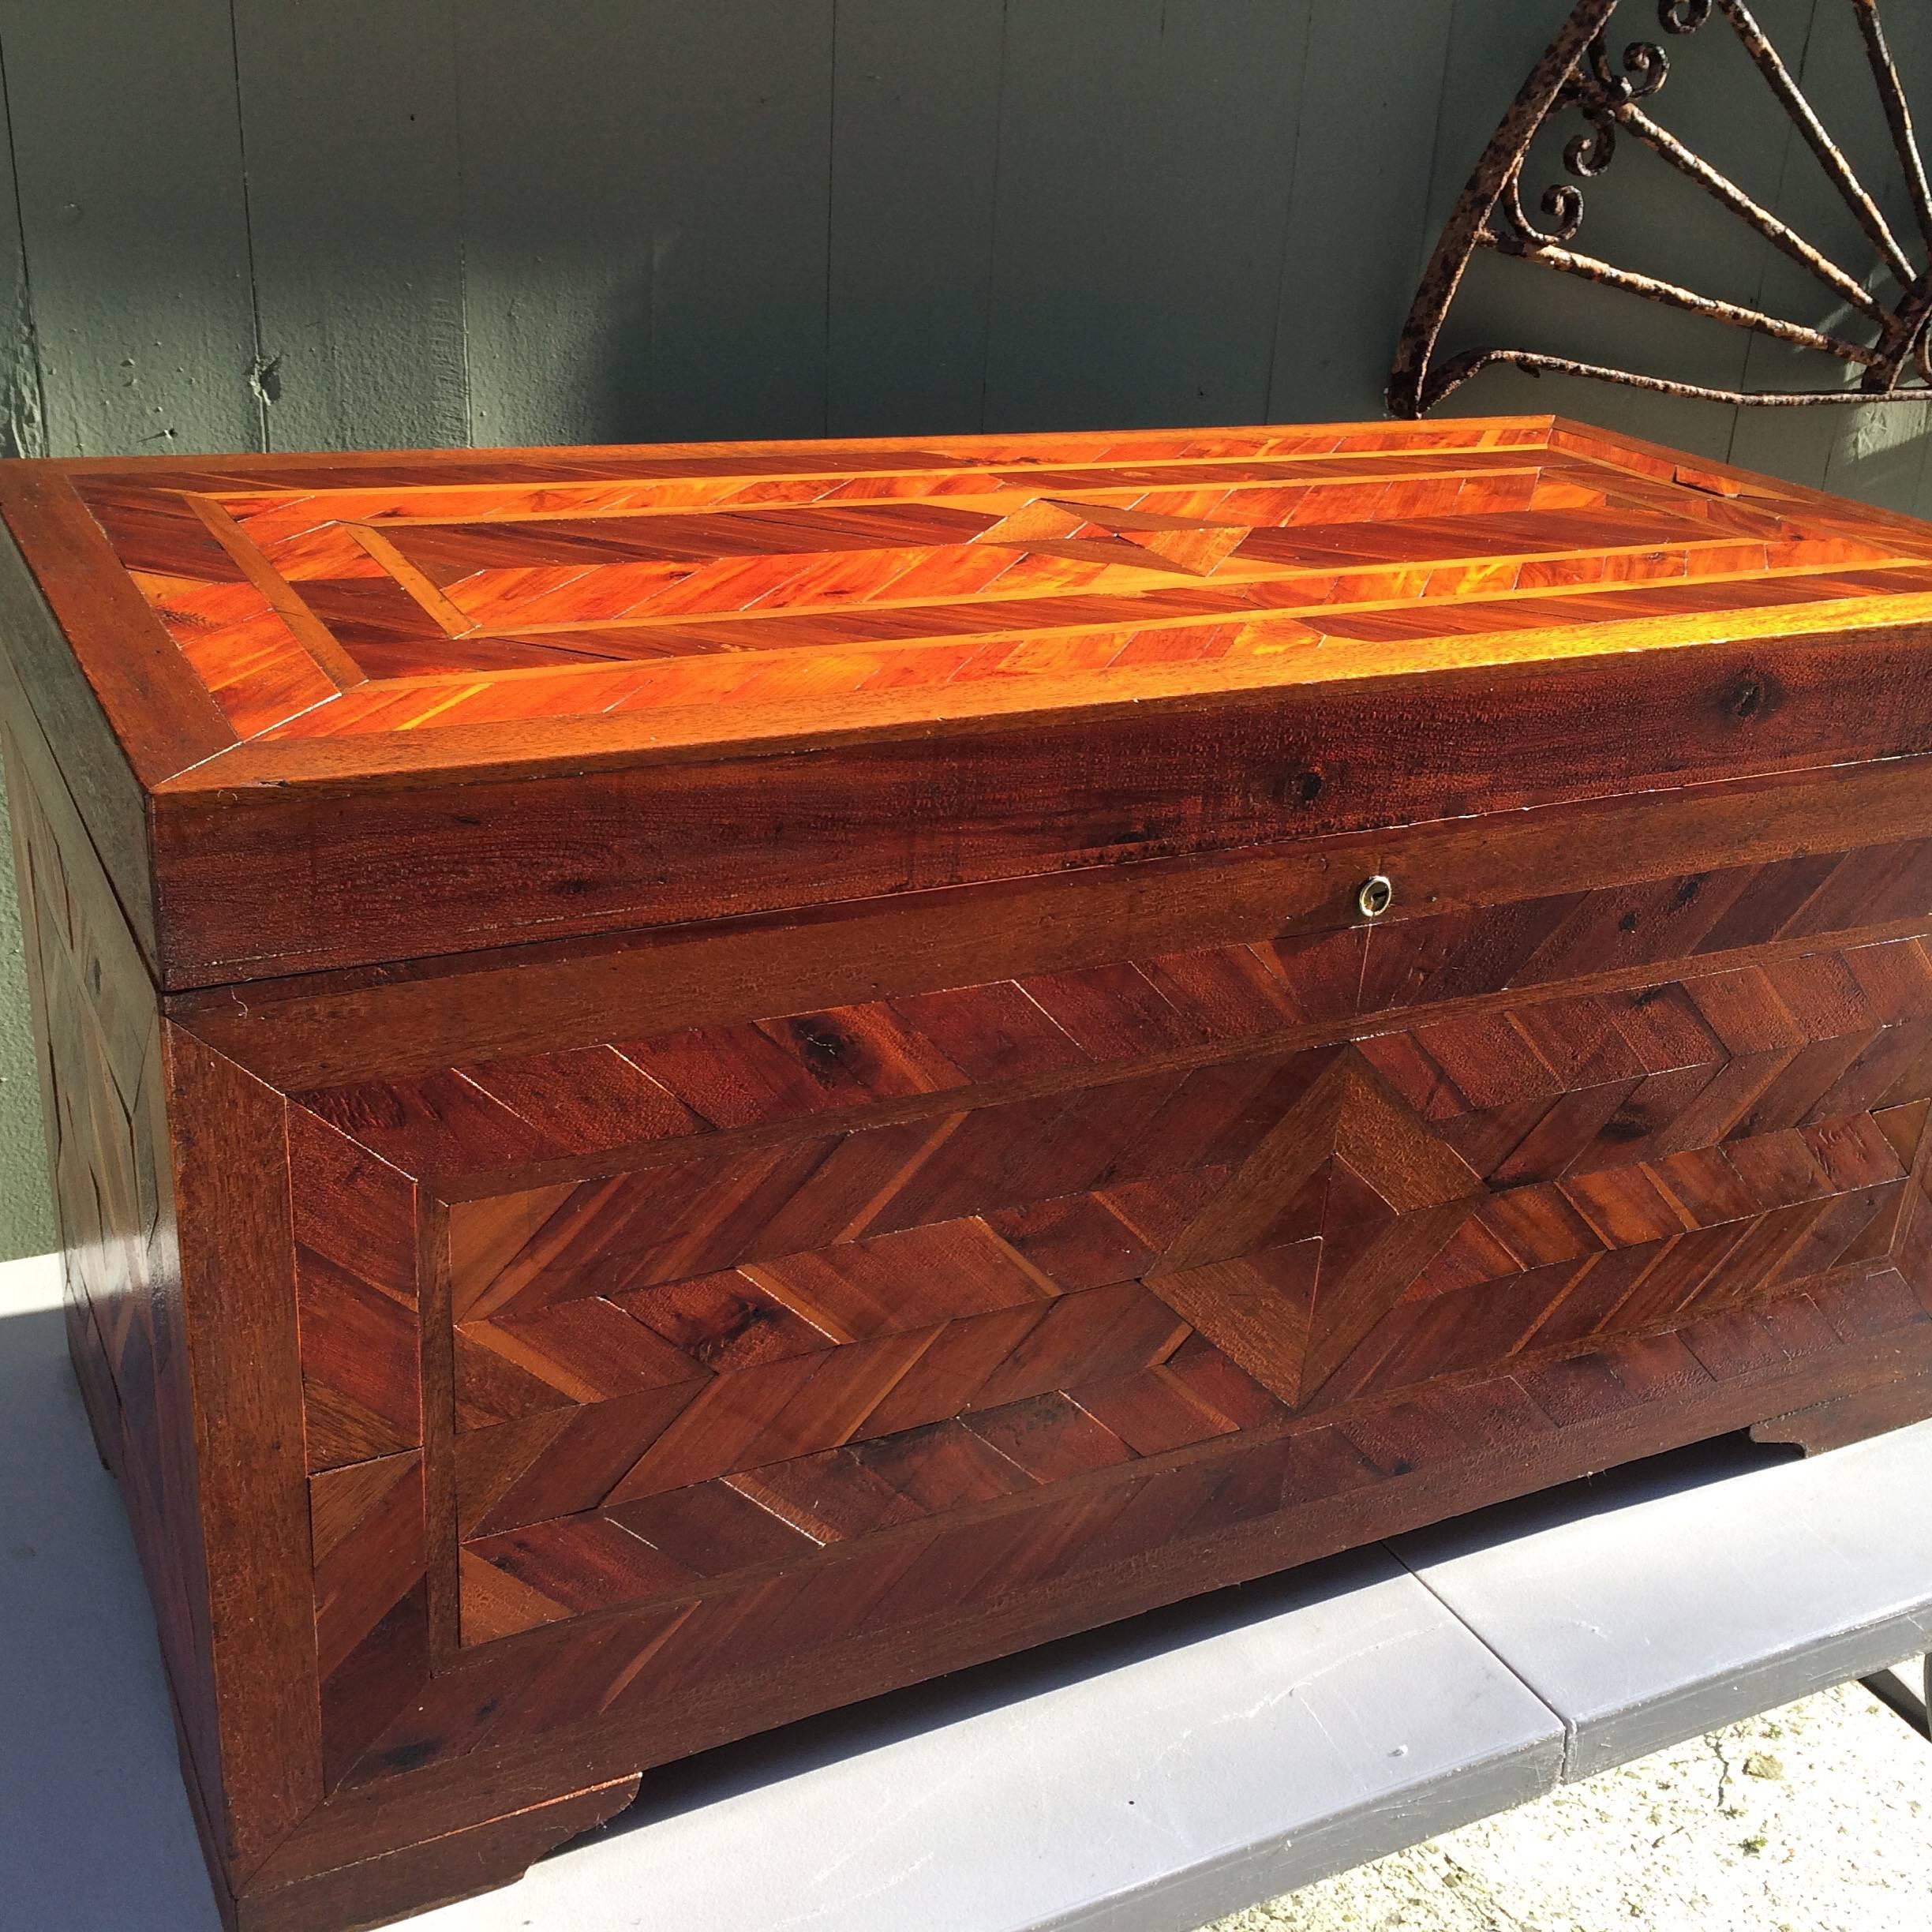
<point x="1376" y="896"/>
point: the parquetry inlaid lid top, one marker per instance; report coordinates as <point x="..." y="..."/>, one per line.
<point x="306" y="626"/>
<point x="706" y="594"/>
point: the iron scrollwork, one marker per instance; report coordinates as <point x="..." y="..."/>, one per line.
<point x="1888" y="346"/>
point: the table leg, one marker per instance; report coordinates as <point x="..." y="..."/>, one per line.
<point x="1906" y="1689"/>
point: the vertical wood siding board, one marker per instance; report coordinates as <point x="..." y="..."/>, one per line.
<point x="1735" y="120"/>
<point x="1074" y="87"/>
<point x="1432" y="224"/>
<point x="831" y="166"/>
<point x="914" y="149"/>
<point x="1370" y="93"/>
<point x="1797" y="449"/>
<point x="1490" y="49"/>
<point x="556" y="272"/>
<point x="26" y="1070"/>
<point x="1145" y="154"/>
<point x="23" y="399"/>
<point x="1230" y="101"/>
<point x="1717" y="96"/>
<point x="258" y="370"/>
<point x="453" y="36"/>
<point x="741" y="128"/>
<point x="1921" y="502"/>
<point x="1001" y="110"/>
<point x="1291" y="187"/>
<point x="1801" y="447"/>
<point x="1880" y="455"/>
<point x="348" y="124"/>
<point x="662" y="272"/>
<point x="127" y="143"/>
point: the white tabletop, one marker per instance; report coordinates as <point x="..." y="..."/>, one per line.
<point x="1146" y="1778"/>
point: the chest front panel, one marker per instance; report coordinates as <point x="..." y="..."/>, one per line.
<point x="723" y="1344"/>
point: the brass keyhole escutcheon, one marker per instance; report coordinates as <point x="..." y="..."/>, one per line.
<point x="1376" y="896"/>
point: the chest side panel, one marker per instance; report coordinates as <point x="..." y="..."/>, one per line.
<point x="104" y="1112"/>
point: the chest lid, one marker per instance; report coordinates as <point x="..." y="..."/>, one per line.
<point x="327" y="711"/>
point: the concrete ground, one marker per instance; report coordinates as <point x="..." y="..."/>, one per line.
<point x="1815" y="1818"/>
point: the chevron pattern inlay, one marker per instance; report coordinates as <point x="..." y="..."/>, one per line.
<point x="771" y="574"/>
<point x="854" y="1329"/>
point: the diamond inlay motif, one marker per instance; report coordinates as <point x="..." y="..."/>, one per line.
<point x="1301" y="1253"/>
<point x="1105" y="534"/>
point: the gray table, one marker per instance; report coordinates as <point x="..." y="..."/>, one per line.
<point x="1153" y="1776"/>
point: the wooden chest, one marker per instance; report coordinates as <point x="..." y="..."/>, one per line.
<point x="688" y="1083"/>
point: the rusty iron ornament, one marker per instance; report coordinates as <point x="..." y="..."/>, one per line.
<point x="1578" y="74"/>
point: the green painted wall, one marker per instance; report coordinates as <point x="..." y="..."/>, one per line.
<point x="286" y="224"/>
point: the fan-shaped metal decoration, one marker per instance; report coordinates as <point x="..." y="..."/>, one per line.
<point x="1579" y="73"/>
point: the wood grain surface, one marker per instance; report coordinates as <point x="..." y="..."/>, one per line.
<point x="386" y="707"/>
<point x="785" y="1179"/>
